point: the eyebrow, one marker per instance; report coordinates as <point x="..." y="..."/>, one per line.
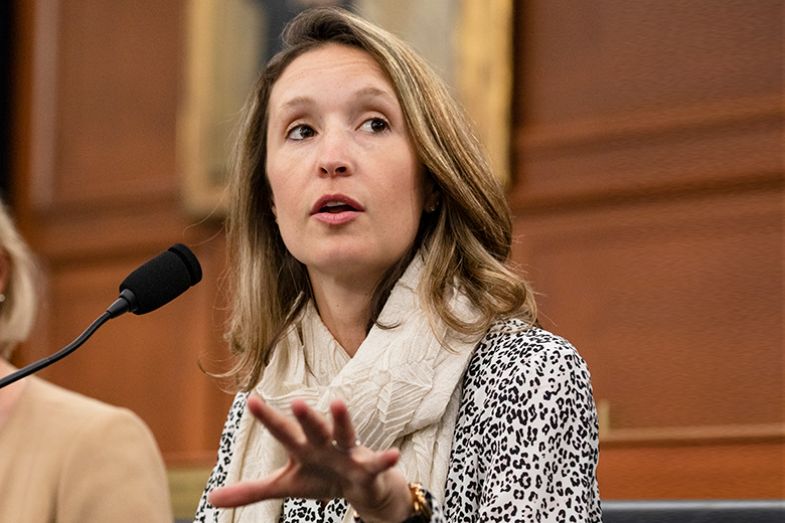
<point x="373" y="92"/>
<point x="365" y="92"/>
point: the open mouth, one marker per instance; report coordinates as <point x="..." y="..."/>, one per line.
<point x="336" y="207"/>
<point x="335" y="204"/>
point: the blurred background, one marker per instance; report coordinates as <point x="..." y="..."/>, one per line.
<point x="642" y="147"/>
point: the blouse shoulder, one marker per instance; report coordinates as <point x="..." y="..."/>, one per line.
<point x="523" y="372"/>
<point x="525" y="446"/>
<point x="513" y="347"/>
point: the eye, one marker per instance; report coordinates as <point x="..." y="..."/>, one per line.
<point x="300" y="132"/>
<point x="375" y="125"/>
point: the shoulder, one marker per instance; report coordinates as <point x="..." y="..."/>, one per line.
<point x="111" y="469"/>
<point x="88" y="425"/>
<point x="514" y="348"/>
<point x="526" y="425"/>
<point x="73" y="413"/>
<point x="519" y="368"/>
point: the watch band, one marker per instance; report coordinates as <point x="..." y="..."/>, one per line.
<point x="421" y="506"/>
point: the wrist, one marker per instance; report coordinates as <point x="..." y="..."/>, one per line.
<point x="411" y="506"/>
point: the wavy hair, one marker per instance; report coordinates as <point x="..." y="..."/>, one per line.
<point x="466" y="240"/>
<point x="17" y="311"/>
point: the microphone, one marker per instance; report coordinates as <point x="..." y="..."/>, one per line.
<point x="152" y="285"/>
<point x="158" y="281"/>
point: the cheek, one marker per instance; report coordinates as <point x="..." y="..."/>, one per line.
<point x="273" y="200"/>
<point x="278" y="194"/>
<point x="419" y="189"/>
<point x="406" y="201"/>
<point x="283" y="184"/>
<point x="284" y="207"/>
<point x="285" y="200"/>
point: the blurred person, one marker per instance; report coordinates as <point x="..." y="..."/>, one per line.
<point x="388" y="358"/>
<point x="64" y="457"/>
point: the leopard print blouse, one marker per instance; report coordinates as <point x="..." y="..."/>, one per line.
<point x="525" y="445"/>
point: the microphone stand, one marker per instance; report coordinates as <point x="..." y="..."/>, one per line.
<point x="155" y="283"/>
<point x="117" y="308"/>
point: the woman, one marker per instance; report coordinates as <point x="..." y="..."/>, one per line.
<point x="387" y="355"/>
<point x="66" y="458"/>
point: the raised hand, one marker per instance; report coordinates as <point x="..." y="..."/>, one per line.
<point x="325" y="462"/>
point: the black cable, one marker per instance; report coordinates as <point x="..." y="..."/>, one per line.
<point x="57" y="356"/>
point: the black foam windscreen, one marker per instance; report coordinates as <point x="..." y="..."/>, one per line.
<point x="162" y="279"/>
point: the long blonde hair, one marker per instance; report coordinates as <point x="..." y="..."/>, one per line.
<point x="17" y="311"/>
<point x="466" y="240"/>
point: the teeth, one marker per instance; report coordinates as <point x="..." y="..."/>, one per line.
<point x="333" y="204"/>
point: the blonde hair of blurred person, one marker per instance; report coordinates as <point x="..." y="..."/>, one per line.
<point x="18" y="298"/>
<point x="66" y="457"/>
<point x="17" y="303"/>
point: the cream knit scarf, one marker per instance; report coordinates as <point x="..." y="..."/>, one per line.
<point x="402" y="389"/>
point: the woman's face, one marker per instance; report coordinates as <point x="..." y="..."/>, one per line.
<point x="347" y="185"/>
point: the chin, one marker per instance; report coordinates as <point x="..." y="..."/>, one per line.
<point x="343" y="263"/>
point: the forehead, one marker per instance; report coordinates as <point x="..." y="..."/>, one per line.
<point x="338" y="67"/>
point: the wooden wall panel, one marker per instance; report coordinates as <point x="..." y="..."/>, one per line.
<point x="730" y="470"/>
<point x="671" y="303"/>
<point x="711" y="145"/>
<point x="648" y="197"/>
<point x="610" y="58"/>
<point x="119" y="72"/>
<point x="98" y="193"/>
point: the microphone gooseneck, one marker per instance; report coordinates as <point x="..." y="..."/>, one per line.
<point x="153" y="284"/>
<point x="57" y="356"/>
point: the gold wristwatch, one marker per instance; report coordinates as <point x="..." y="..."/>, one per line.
<point x="420" y="505"/>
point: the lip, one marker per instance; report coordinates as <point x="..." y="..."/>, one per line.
<point x="342" y="198"/>
<point x="336" y="218"/>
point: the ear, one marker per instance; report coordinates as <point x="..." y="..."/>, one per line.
<point x="271" y="201"/>
<point x="432" y="196"/>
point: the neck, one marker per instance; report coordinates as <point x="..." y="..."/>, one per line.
<point x="345" y="309"/>
<point x="10" y="394"/>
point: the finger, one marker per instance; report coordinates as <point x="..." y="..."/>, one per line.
<point x="343" y="430"/>
<point x="240" y="494"/>
<point x="282" y="428"/>
<point x="371" y="467"/>
<point x="314" y="426"/>
<point x="246" y="492"/>
<point x="383" y="461"/>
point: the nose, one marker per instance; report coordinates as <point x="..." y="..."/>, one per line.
<point x="334" y="155"/>
<point x="333" y="168"/>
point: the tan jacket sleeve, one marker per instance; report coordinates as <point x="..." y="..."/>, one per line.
<point x="113" y="471"/>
